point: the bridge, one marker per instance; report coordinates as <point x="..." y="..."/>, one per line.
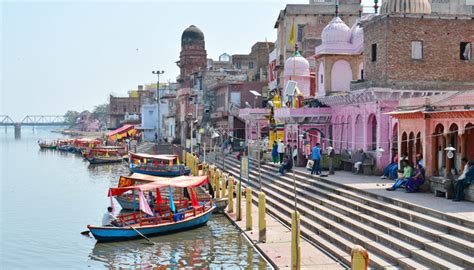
<point x="32" y="120"/>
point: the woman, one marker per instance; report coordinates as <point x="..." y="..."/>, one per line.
<point x="275" y="152"/>
<point x="413" y="184"/>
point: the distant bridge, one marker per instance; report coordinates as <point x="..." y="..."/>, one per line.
<point x="34" y="120"/>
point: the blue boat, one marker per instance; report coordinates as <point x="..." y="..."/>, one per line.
<point x="157" y="165"/>
<point x="172" y="214"/>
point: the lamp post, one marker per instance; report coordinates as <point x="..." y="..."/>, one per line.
<point x="158" y="128"/>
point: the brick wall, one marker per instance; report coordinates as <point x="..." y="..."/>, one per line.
<point x="441" y="66"/>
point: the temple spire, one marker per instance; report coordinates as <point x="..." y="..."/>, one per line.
<point x="376" y="6"/>
<point x="337" y="9"/>
<point x="360" y="9"/>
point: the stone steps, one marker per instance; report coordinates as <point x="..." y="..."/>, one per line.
<point x="361" y="223"/>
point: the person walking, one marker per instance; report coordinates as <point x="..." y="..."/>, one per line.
<point x="331" y="154"/>
<point x="316" y="156"/>
<point x="281" y="150"/>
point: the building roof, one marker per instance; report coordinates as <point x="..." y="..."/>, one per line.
<point x="406" y="7"/>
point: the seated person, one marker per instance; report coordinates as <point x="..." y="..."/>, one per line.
<point x="391" y="169"/>
<point x="286" y="165"/>
<point x="110" y="220"/>
<point x="413" y="184"/>
<point x="464" y="181"/>
<point x="407" y="173"/>
<point x="151" y="200"/>
<point x="359" y="158"/>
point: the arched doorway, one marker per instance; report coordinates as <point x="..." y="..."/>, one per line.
<point x="359" y="133"/>
<point x="372" y="132"/>
<point x="418" y="146"/>
<point x="404" y="144"/>
<point x="343" y="132"/>
<point x="439" y="153"/>
<point x="454" y="163"/>
<point x="469" y="141"/>
<point x="395" y="136"/>
<point x="341" y="76"/>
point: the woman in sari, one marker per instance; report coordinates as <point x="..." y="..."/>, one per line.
<point x="413" y="184"/>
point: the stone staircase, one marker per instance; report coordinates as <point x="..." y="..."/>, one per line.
<point x="336" y="217"/>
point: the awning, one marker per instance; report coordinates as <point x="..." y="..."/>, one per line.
<point x="180" y="181"/>
<point x="158" y="157"/>
<point x="125" y="128"/>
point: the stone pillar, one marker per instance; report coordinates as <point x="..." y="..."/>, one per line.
<point x="448" y="161"/>
<point x="463" y="139"/>
<point x="434" y="156"/>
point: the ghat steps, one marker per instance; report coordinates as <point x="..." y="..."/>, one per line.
<point x="336" y="217"/>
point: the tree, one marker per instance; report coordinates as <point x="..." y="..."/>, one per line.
<point x="101" y="113"/>
<point x="71" y="117"/>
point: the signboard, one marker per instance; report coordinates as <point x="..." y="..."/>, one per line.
<point x="244" y="168"/>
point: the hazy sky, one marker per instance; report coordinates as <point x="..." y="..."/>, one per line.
<point x="58" y="56"/>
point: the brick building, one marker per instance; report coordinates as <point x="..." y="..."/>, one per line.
<point x="123" y="109"/>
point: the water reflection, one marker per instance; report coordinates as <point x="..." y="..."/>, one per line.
<point x="217" y="245"/>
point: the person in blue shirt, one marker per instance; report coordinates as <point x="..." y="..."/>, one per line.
<point x="316" y="156"/>
<point x="463" y="182"/>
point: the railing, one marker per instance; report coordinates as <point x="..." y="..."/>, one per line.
<point x="34" y="120"/>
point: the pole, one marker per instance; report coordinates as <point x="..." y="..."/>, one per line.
<point x="158" y="128"/>
<point x="191" y="135"/>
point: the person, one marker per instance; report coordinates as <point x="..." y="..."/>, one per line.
<point x="239" y="155"/>
<point x="151" y="200"/>
<point x="109" y="219"/>
<point x="331" y="154"/>
<point x="316" y="156"/>
<point x="295" y="153"/>
<point x="467" y="178"/>
<point x="156" y="137"/>
<point x="413" y="184"/>
<point x="287" y="165"/>
<point x="231" y="144"/>
<point x="281" y="150"/>
<point x="275" y="152"/>
<point x="407" y="173"/>
<point x="391" y="169"/>
<point x="359" y="159"/>
<point x="419" y="159"/>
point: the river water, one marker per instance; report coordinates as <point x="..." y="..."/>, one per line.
<point x="48" y="198"/>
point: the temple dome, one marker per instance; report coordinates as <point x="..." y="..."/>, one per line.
<point x="192" y="35"/>
<point x="406" y="7"/>
<point x="357" y="33"/>
<point x="296" y="65"/>
<point x="336" y="32"/>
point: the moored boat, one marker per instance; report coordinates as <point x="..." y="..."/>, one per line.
<point x="46" y="145"/>
<point x="104" y="159"/>
<point x="170" y="215"/>
<point x="157" y="165"/>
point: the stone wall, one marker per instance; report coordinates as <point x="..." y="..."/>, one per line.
<point x="441" y="66"/>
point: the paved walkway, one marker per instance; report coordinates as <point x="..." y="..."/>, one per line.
<point x="278" y="245"/>
<point x="376" y="185"/>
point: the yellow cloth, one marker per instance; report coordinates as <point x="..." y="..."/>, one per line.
<point x="292" y="34"/>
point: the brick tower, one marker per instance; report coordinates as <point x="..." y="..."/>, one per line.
<point x="193" y="56"/>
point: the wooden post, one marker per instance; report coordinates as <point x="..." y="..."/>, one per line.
<point x="359" y="258"/>
<point x="223" y="182"/>
<point x="295" y="241"/>
<point x="262" y="220"/>
<point x="230" y="195"/>
<point x="248" y="209"/>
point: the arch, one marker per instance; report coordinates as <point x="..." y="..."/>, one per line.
<point x="341" y="76"/>
<point x="360" y="74"/>
<point x="320" y="81"/>
<point x="453" y="140"/>
<point x="372" y="132"/>
<point x="349" y="133"/>
<point x="359" y="133"/>
<point x="395" y="136"/>
<point x="418" y="144"/>
<point x="404" y="145"/>
<point x="411" y="147"/>
<point x="336" y="132"/>
<point x="342" y="132"/>
<point x="468" y="141"/>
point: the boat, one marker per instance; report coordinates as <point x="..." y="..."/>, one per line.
<point x="46" y="145"/>
<point x="102" y="150"/>
<point x="104" y="159"/>
<point x="84" y="144"/>
<point x="65" y="145"/>
<point x="221" y="204"/>
<point x="157" y="165"/>
<point x="170" y="215"/>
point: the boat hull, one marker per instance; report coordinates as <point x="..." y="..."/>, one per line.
<point x="110" y="234"/>
<point x="103" y="161"/>
<point x="53" y="147"/>
<point x="160" y="173"/>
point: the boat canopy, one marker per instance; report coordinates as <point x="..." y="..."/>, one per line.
<point x="180" y="181"/>
<point x="154" y="157"/>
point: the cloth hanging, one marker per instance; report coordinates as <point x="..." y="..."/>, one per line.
<point x="194" y="201"/>
<point x="172" y="206"/>
<point x="144" y="207"/>
<point x="159" y="200"/>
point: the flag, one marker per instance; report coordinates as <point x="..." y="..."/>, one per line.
<point x="172" y="206"/>
<point x="292" y="34"/>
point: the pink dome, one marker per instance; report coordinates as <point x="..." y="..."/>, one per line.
<point x="336" y="32"/>
<point x="296" y="66"/>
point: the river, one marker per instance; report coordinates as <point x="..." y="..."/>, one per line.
<point x="48" y="198"/>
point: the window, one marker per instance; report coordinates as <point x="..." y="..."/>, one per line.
<point x="361" y="74"/>
<point x="374" y="52"/>
<point x="417" y="50"/>
<point x="250" y="64"/>
<point x="124" y="109"/>
<point x="238" y="65"/>
<point x="466" y="51"/>
<point x="300" y="32"/>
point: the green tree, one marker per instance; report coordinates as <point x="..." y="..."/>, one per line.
<point x="71" y="117"/>
<point x="101" y="112"/>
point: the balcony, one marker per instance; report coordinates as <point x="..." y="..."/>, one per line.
<point x="298" y="115"/>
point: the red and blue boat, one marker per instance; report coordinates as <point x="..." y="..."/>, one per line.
<point x="157" y="165"/>
<point x="172" y="214"/>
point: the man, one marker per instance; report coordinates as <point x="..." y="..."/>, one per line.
<point x="466" y="180"/>
<point x="316" y="156"/>
<point x="156" y="137"/>
<point x="359" y="159"/>
<point x="286" y="165"/>
<point x="109" y="219"/>
<point x="407" y="174"/>
<point x="281" y="150"/>
<point x="391" y="169"/>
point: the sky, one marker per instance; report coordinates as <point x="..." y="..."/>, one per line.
<point x="58" y="56"/>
